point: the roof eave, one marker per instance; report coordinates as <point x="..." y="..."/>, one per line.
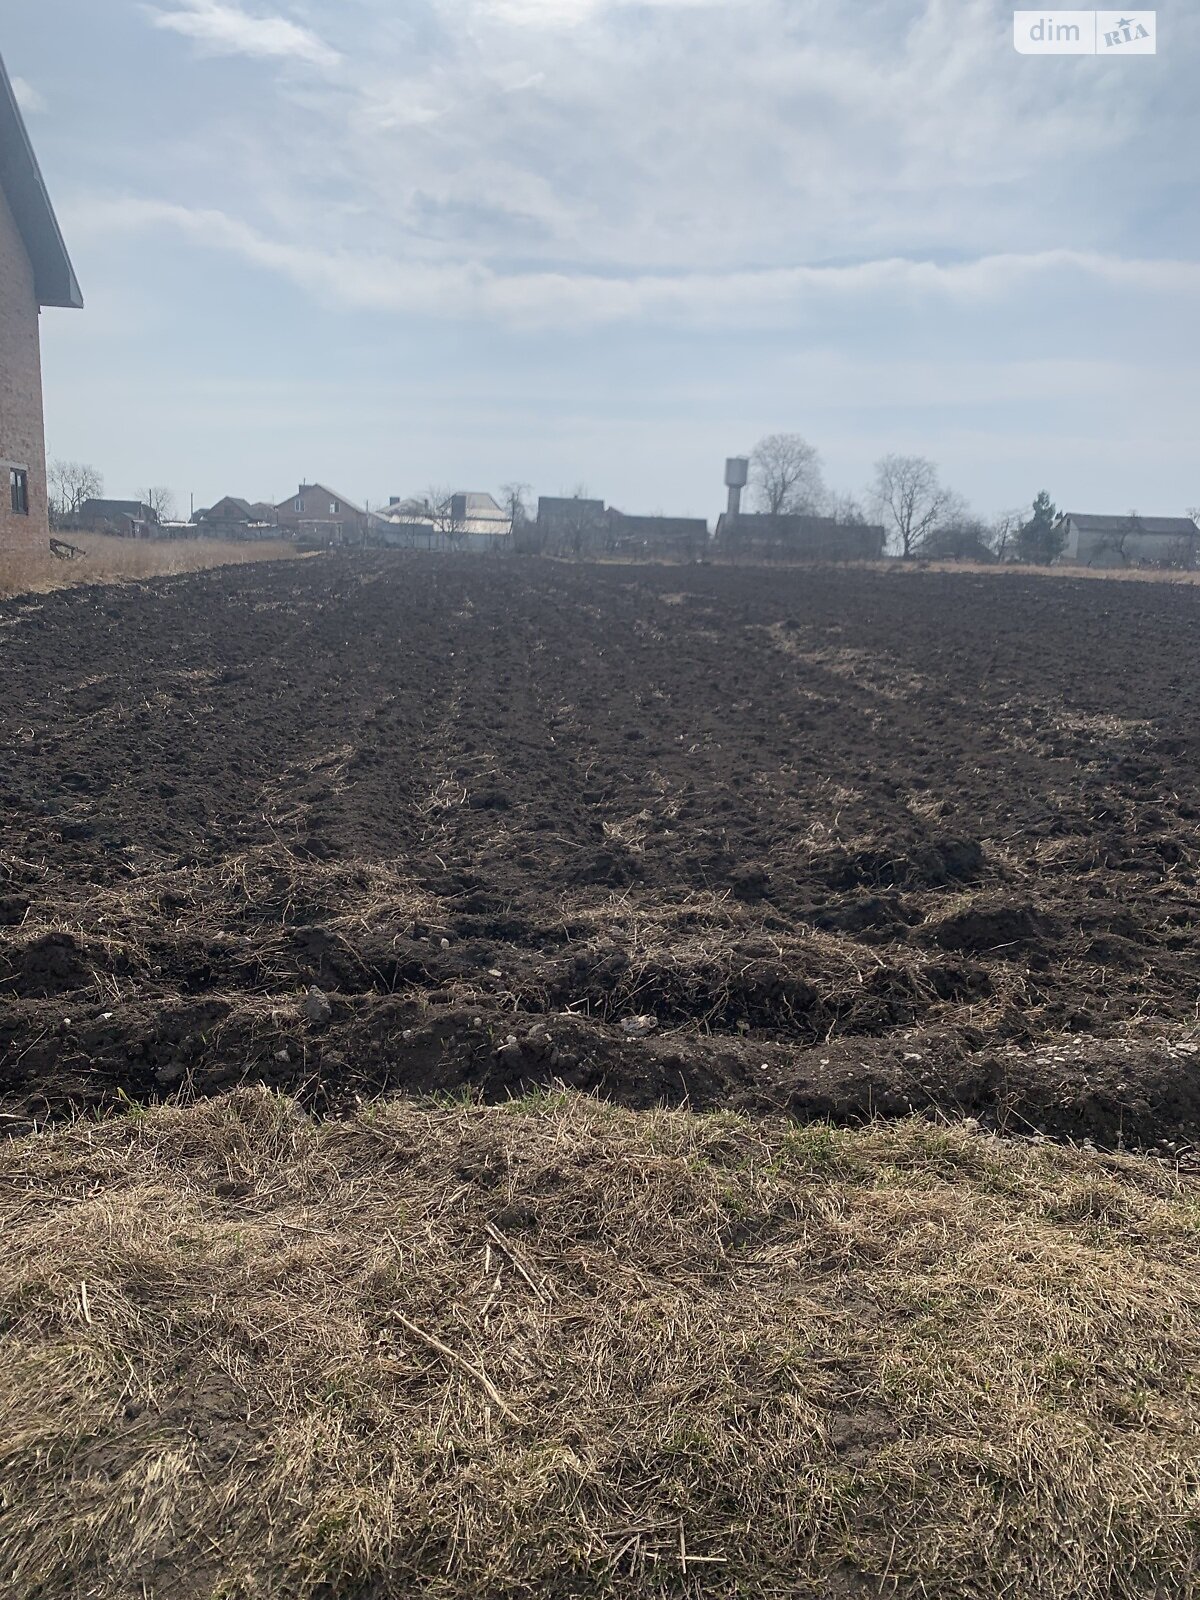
<point x="72" y="298"/>
<point x="55" y="283"/>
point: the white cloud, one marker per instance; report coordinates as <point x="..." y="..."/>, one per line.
<point x="760" y="133"/>
<point x="29" y="100"/>
<point x="443" y="286"/>
<point x="570" y="13"/>
<point x="711" y="205"/>
<point x="228" y="30"/>
<point x="672" y="135"/>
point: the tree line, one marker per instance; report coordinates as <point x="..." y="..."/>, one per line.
<point x="923" y="517"/>
<point x="70" y="484"/>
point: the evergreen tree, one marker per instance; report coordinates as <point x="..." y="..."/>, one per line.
<point x="1039" y="540"/>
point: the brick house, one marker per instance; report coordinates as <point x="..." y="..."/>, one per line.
<point x="317" y="515"/>
<point x="35" y="271"/>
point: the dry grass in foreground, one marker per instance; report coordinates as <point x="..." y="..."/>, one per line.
<point x="557" y="1348"/>
<point x="996" y="569"/>
<point x="111" y="560"/>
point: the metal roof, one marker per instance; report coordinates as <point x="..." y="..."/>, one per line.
<point x="566" y="506"/>
<point x="479" y="504"/>
<point x="54" y="278"/>
<point x="1132" y="523"/>
<point x="97" y="505"/>
<point x="330" y="494"/>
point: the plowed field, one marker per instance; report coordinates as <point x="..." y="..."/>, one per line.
<point x="833" y="843"/>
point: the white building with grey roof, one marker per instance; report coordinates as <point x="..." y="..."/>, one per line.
<point x="1128" y="541"/>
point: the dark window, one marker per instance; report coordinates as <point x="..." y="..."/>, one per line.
<point x="18" y="487"/>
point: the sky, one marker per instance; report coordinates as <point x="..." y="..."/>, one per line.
<point x="387" y="245"/>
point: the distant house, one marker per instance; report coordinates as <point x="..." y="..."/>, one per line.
<point x="678" y="538"/>
<point x="234" y="518"/>
<point x="130" y="519"/>
<point x="479" y="517"/>
<point x="35" y="271"/>
<point x="573" y="525"/>
<point x="798" y="537"/>
<point x="467" y="520"/>
<point x="319" y="515"/>
<point x="1128" y="541"/>
<point x="229" y="509"/>
<point x="406" y="533"/>
<point x="405" y="525"/>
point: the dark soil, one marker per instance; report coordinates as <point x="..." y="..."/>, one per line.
<point x="832" y="842"/>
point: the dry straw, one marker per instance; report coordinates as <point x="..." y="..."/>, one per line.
<point x="559" y="1348"/>
<point x="111" y="560"/>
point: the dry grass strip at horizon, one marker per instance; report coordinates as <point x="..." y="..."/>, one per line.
<point x="110" y="560"/>
<point x="557" y="1347"/>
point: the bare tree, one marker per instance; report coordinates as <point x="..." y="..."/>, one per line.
<point x="578" y="526"/>
<point x="71" y="483"/>
<point x="785" y="473"/>
<point x="160" y="500"/>
<point x="848" y="510"/>
<point x="912" y="499"/>
<point x="1117" y="542"/>
<point x="415" y="510"/>
<point x="438" y="505"/>
<point x="516" y="506"/>
<point x="525" y="534"/>
<point x="958" y="537"/>
<point x="1003" y="532"/>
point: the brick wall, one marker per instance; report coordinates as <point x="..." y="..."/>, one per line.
<point x="22" y="438"/>
<point x="316" y="521"/>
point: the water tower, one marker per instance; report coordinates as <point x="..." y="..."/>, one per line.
<point x="737" y="475"/>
